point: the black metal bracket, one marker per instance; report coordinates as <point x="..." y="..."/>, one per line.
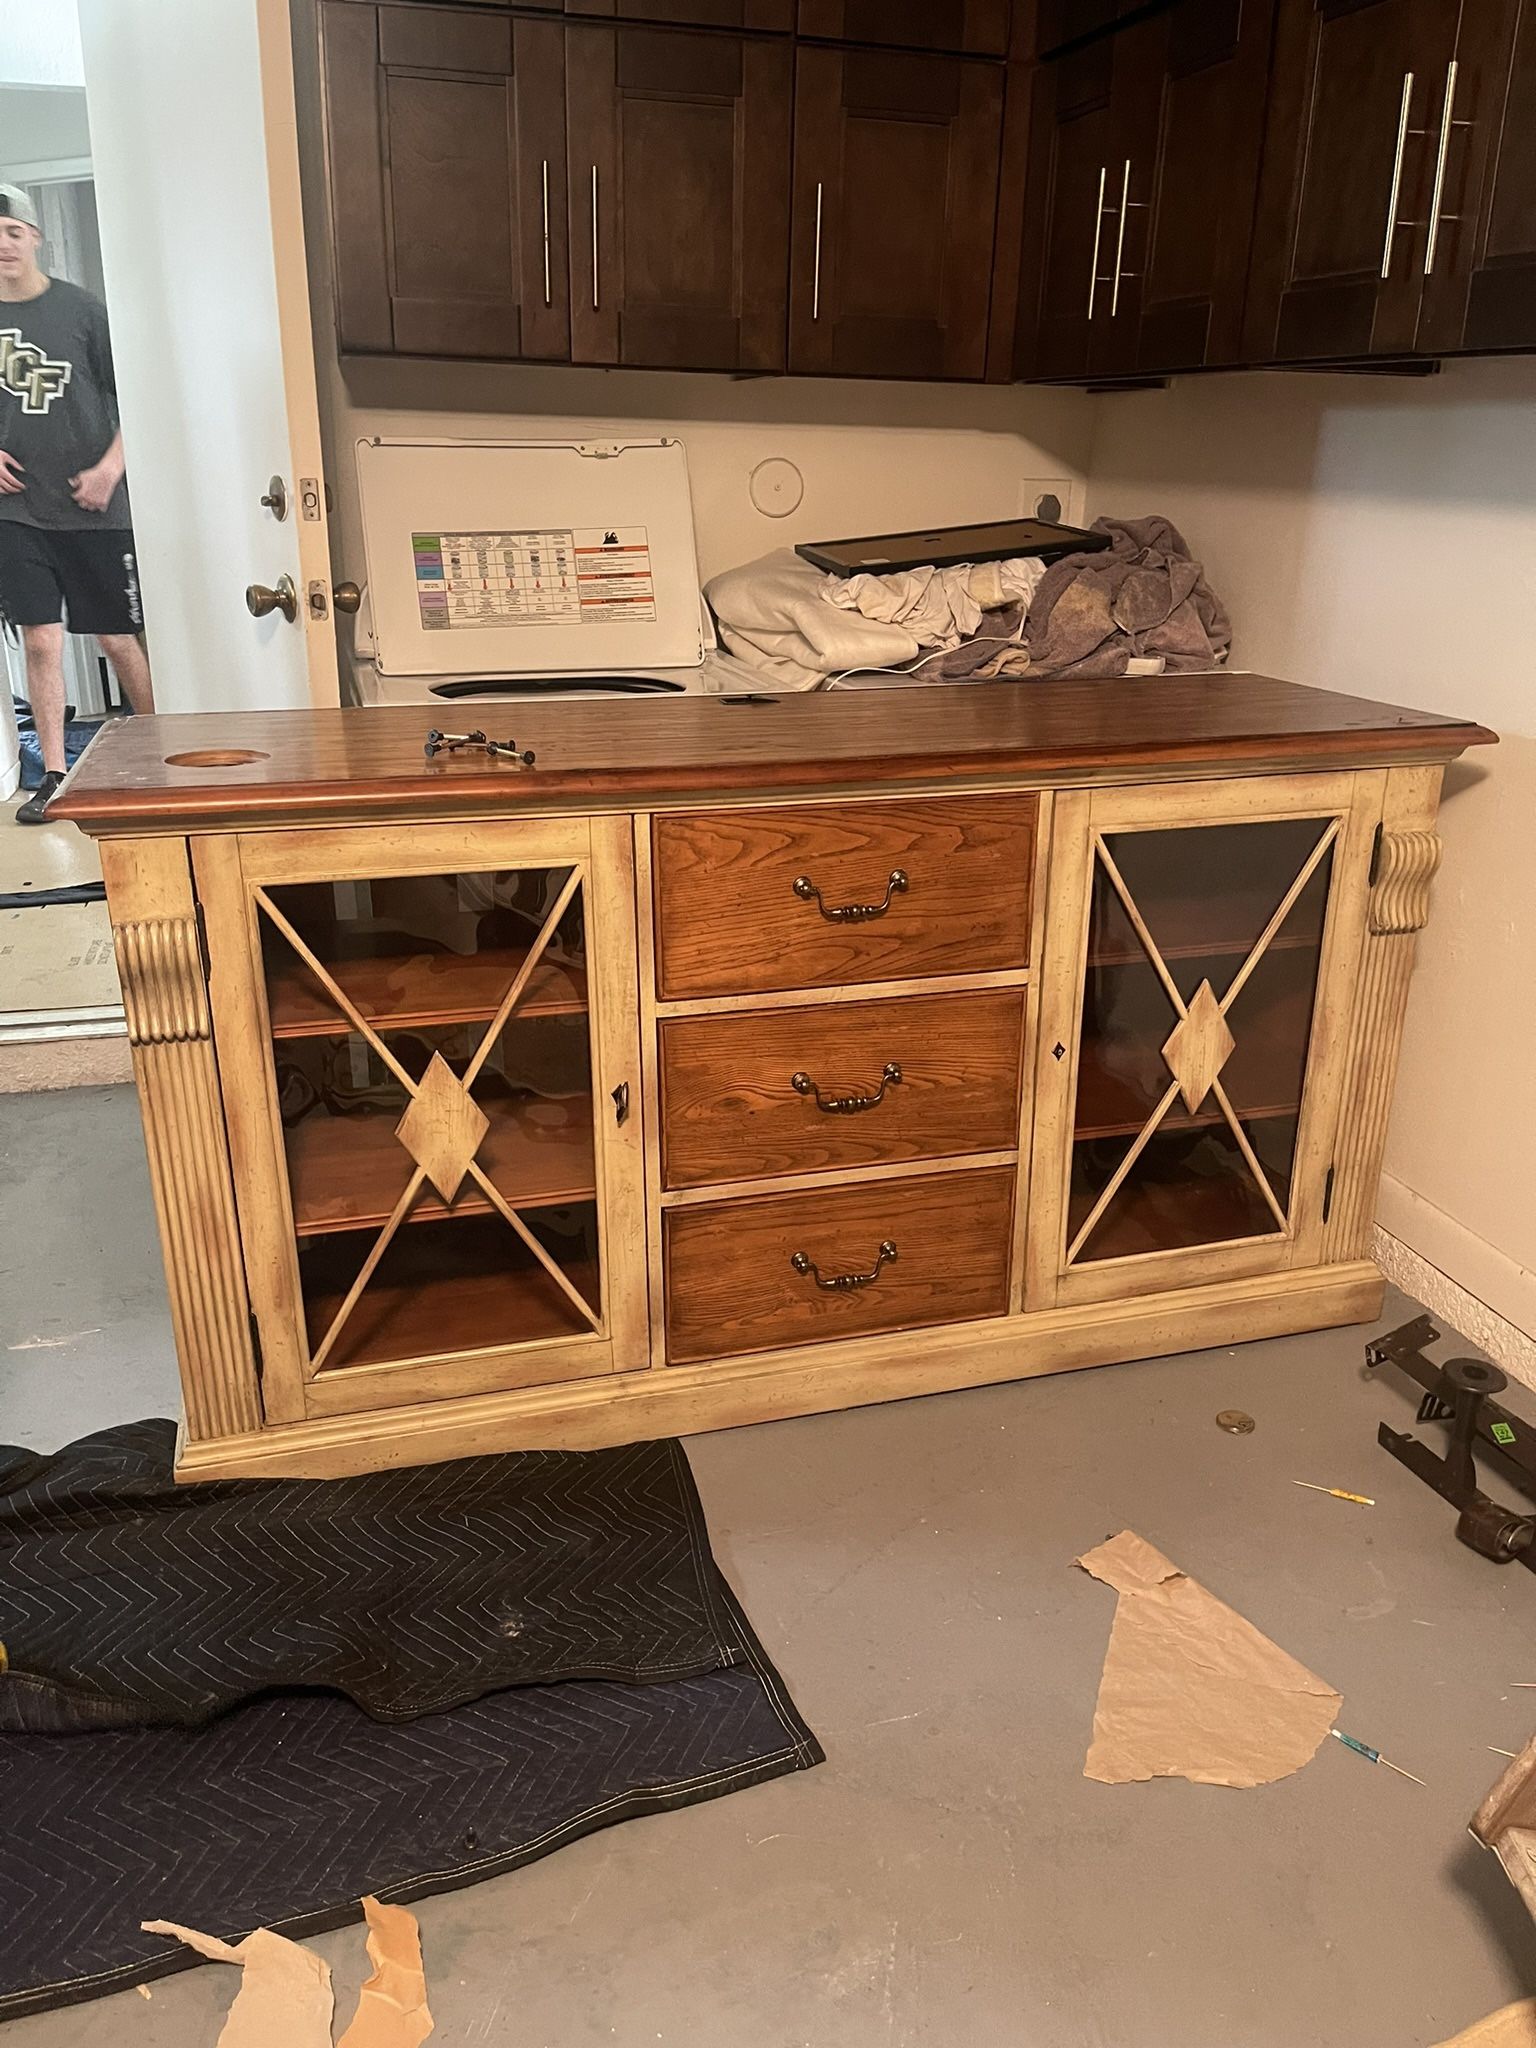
<point x="1460" y="1393"/>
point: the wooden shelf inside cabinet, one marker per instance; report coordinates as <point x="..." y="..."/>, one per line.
<point x="1262" y="1078"/>
<point x="440" y="1291"/>
<point x="417" y="990"/>
<point x="348" y="1172"/>
<point x="1155" y="1216"/>
<point x="1212" y="945"/>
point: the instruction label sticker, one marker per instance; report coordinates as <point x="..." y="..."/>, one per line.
<point x="552" y="576"/>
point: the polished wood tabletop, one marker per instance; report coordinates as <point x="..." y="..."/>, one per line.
<point x="222" y="770"/>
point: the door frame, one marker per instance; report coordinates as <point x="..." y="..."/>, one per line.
<point x="1080" y="816"/>
<point x="227" y="871"/>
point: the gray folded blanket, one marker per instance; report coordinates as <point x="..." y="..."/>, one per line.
<point x="1142" y="598"/>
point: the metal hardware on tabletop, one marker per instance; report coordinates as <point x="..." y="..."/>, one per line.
<point x="275" y="498"/>
<point x="847" y="1105"/>
<point x="346" y="596"/>
<point x="844" y="1283"/>
<point x="852" y="913"/>
<point x="621" y="1102"/>
<point x="476" y="743"/>
<point x="280" y="597"/>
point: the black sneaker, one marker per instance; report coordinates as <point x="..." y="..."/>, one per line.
<point x="34" y="810"/>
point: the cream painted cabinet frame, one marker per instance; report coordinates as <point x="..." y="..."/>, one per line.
<point x="428" y="1049"/>
<point x="1198" y="982"/>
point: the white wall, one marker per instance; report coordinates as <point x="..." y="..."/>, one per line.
<point x="1379" y="536"/>
<point x="40" y="43"/>
<point x="41" y="127"/>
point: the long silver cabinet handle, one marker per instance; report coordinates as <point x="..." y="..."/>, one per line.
<point x="594" y="240"/>
<point x="545" y="177"/>
<point x="816" y="261"/>
<point x="1125" y="200"/>
<point x="1397" y="176"/>
<point x="1098" y="236"/>
<point x="1448" y="121"/>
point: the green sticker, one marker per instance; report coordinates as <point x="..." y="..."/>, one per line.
<point x="1502" y="1433"/>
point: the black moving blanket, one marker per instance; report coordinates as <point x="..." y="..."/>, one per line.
<point x="127" y="1600"/>
<point x="285" y="1809"/>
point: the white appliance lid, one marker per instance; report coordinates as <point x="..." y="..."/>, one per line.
<point x="529" y="557"/>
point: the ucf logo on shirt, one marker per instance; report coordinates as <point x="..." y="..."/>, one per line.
<point x="28" y="374"/>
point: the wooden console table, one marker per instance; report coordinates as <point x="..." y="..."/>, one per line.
<point x="745" y="1058"/>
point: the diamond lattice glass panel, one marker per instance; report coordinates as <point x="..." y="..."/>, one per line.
<point x="1205" y="899"/>
<point x="433" y="1055"/>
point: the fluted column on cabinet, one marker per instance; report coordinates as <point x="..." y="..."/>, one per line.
<point x="1405" y="866"/>
<point x="165" y="1002"/>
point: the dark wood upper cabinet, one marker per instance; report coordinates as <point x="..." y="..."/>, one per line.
<point x="1480" y="267"/>
<point x="895" y="199"/>
<point x="753" y="14"/>
<point x="445" y="144"/>
<point x="679" y="167"/>
<point x="1069" y="232"/>
<point x="1200" y="74"/>
<point x="979" y="28"/>
<point x="1136" y="244"/>
<point x="1350" y="154"/>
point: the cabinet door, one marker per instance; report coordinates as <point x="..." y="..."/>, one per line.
<point x="978" y="27"/>
<point x="1349" y="162"/>
<point x="1203" y="69"/>
<point x="679" y="184"/>
<point x="1480" y="259"/>
<point x="759" y="14"/>
<point x="1070" y="217"/>
<point x="427" y="1039"/>
<point x="445" y="152"/>
<point x="1201" y="948"/>
<point x="895" y="198"/>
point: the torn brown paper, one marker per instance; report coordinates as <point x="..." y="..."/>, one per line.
<point x="392" y="2007"/>
<point x="1512" y="2026"/>
<point x="1192" y="1690"/>
<point x="284" y="2000"/>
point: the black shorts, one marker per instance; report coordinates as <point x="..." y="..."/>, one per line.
<point x="87" y="577"/>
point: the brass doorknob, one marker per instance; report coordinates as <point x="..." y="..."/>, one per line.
<point x="259" y="600"/>
<point x="346" y="596"/>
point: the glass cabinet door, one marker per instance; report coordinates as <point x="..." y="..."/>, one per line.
<point x="437" y="1077"/>
<point x="1197" y="984"/>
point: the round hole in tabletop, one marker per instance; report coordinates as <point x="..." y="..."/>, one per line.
<point x="216" y="757"/>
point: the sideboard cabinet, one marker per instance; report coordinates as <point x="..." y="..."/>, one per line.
<point x="736" y="1060"/>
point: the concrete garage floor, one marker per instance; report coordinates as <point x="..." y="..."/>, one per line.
<point x="949" y="1877"/>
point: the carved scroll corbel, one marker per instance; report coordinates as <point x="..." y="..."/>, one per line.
<point x="159" y="964"/>
<point x="1404" y="867"/>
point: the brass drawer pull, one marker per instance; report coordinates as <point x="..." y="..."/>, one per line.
<point x="852" y="913"/>
<point x="844" y="1283"/>
<point x="846" y="1105"/>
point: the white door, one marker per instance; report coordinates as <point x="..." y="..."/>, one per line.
<point x="197" y="181"/>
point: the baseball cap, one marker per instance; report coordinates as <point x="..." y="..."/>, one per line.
<point x="15" y="205"/>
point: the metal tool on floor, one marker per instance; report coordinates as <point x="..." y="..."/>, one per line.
<point x="1460" y="1392"/>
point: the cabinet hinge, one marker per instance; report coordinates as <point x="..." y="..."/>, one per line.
<point x="202" y="939"/>
<point x="1376" y="838"/>
<point x="256" y="1356"/>
<point x="1328" y="1195"/>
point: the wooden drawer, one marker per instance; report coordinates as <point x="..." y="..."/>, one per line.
<point x="753" y="900"/>
<point x="732" y="1285"/>
<point x="739" y="1092"/>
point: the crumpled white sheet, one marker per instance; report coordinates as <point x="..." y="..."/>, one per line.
<point x="774" y="614"/>
<point x="939" y="607"/>
<point x="799" y="626"/>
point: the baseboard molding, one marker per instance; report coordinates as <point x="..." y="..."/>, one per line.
<point x="1492" y="1299"/>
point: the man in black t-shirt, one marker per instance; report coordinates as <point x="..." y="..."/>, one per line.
<point x="66" y="539"/>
